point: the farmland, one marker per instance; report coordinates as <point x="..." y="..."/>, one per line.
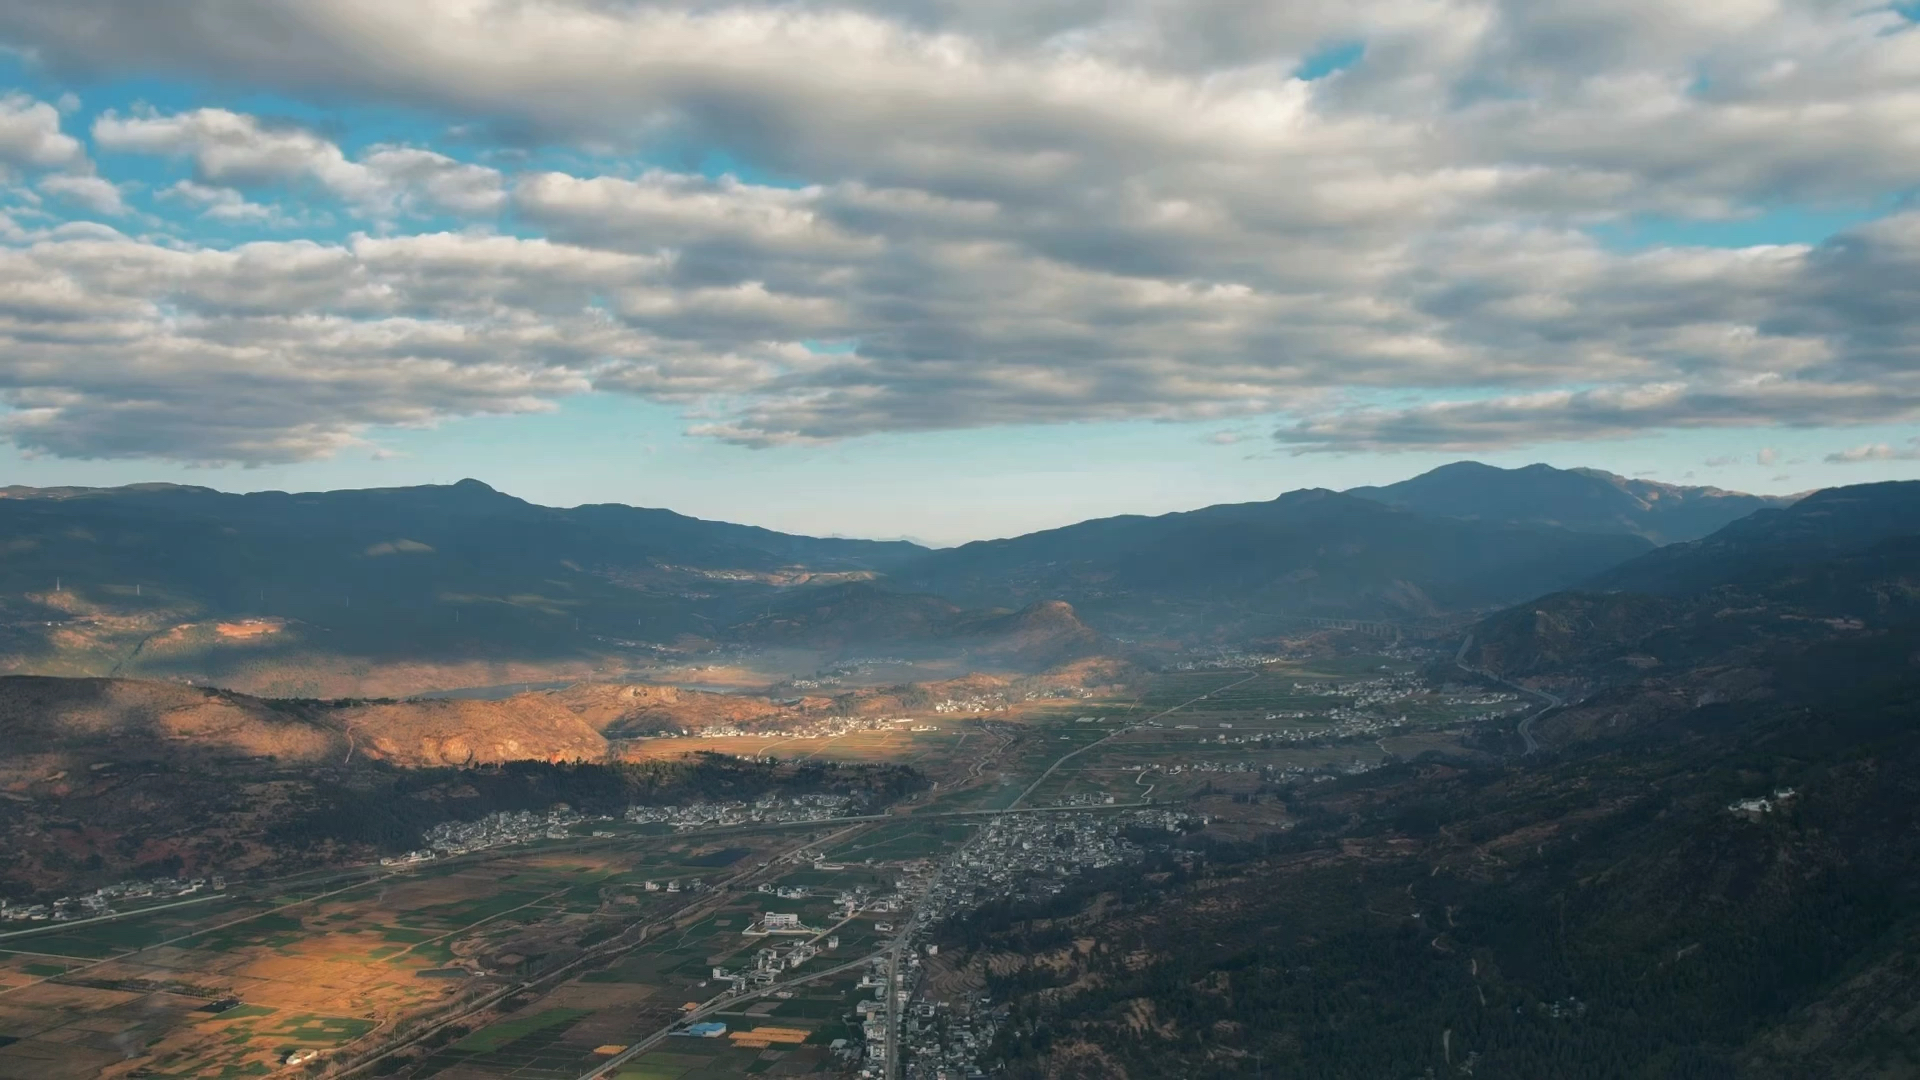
<point x="553" y="959"/>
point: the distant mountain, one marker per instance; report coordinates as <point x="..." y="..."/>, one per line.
<point x="156" y="579"/>
<point x="1312" y="552"/>
<point x="1584" y="500"/>
<point x="446" y="516"/>
<point x="1826" y="525"/>
<point x="1836" y="575"/>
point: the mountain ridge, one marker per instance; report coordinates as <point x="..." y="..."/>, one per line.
<point x="1582" y="499"/>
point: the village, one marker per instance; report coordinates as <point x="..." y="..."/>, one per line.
<point x="508" y="827"/>
<point x="1017" y="857"/>
<point x="112" y="899"/>
<point x="831" y="727"/>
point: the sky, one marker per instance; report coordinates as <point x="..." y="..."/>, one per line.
<point x="951" y="270"/>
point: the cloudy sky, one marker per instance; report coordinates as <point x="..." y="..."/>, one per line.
<point x="953" y="269"/>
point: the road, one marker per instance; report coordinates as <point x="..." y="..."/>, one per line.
<point x="1076" y="753"/>
<point x="1526" y="725"/>
<point x="603" y="953"/>
<point x="72" y="924"/>
<point x="178" y="938"/>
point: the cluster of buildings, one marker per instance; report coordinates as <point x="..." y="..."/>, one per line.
<point x="1018" y="856"/>
<point x="1267" y="770"/>
<point x="691" y="885"/>
<point x="1070" y="693"/>
<point x="858" y="667"/>
<point x="829" y="727"/>
<point x="103" y="901"/>
<point x="495" y="830"/>
<point x="1375" y="691"/>
<point x="1341" y="723"/>
<point x="523" y="826"/>
<point x="1763" y="804"/>
<point x="770" y="961"/>
<point x="769" y="809"/>
<point x="1026" y="856"/>
<point x="1228" y="661"/>
<point x="947" y="1041"/>
<point x="978" y="703"/>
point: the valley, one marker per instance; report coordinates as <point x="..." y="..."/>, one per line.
<point x="525" y="959"/>
<point x="1180" y="825"/>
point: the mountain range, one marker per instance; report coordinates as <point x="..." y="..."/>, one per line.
<point x="440" y="586"/>
<point x="1699" y="861"/>
<point x="1584" y="500"/>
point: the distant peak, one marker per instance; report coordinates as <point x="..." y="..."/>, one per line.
<point x="475" y="486"/>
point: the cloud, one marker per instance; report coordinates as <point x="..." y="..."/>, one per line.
<point x="90" y="192"/>
<point x="287" y="351"/>
<point x="1766" y="455"/>
<point x="1022" y="213"/>
<point x="30" y="136"/>
<point x="1225" y="438"/>
<point x="1721" y="461"/>
<point x="233" y="149"/>
<point x="222" y="204"/>
<point x="1558" y="415"/>
<point x="1876" y="452"/>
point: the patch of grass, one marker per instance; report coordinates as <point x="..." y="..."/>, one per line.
<point x="489" y="1039"/>
<point x="723" y="857"/>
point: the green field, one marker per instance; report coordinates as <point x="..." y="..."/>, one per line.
<point x="492" y="1038"/>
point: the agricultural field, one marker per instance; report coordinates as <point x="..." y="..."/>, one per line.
<point x="1226" y="729"/>
<point x="552" y="960"/>
<point x="233" y="988"/>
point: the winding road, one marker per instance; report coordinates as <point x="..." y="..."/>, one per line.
<point x="1525" y="729"/>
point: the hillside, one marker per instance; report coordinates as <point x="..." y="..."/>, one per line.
<point x="1312" y="552"/>
<point x="101" y="776"/>
<point x="1710" y="871"/>
<point x="1781" y="542"/>
<point x="867" y="616"/>
<point x="1822" y="594"/>
<point x="1583" y="500"/>
<point x="290" y="592"/>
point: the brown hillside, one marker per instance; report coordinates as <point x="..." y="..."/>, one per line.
<point x="69" y="722"/>
<point x="617" y="710"/>
<point x="426" y="733"/>
<point x="1039" y="636"/>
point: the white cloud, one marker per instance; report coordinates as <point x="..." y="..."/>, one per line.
<point x="221" y="204"/>
<point x="111" y="347"/>
<point x="1035" y="212"/>
<point x="436" y="181"/>
<point x="236" y="150"/>
<point x="1877" y="452"/>
<point x="30" y="136"/>
<point x="89" y="192"/>
<point x="1767" y="455"/>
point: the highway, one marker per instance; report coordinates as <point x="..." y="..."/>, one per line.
<point x="1525" y="729"/>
